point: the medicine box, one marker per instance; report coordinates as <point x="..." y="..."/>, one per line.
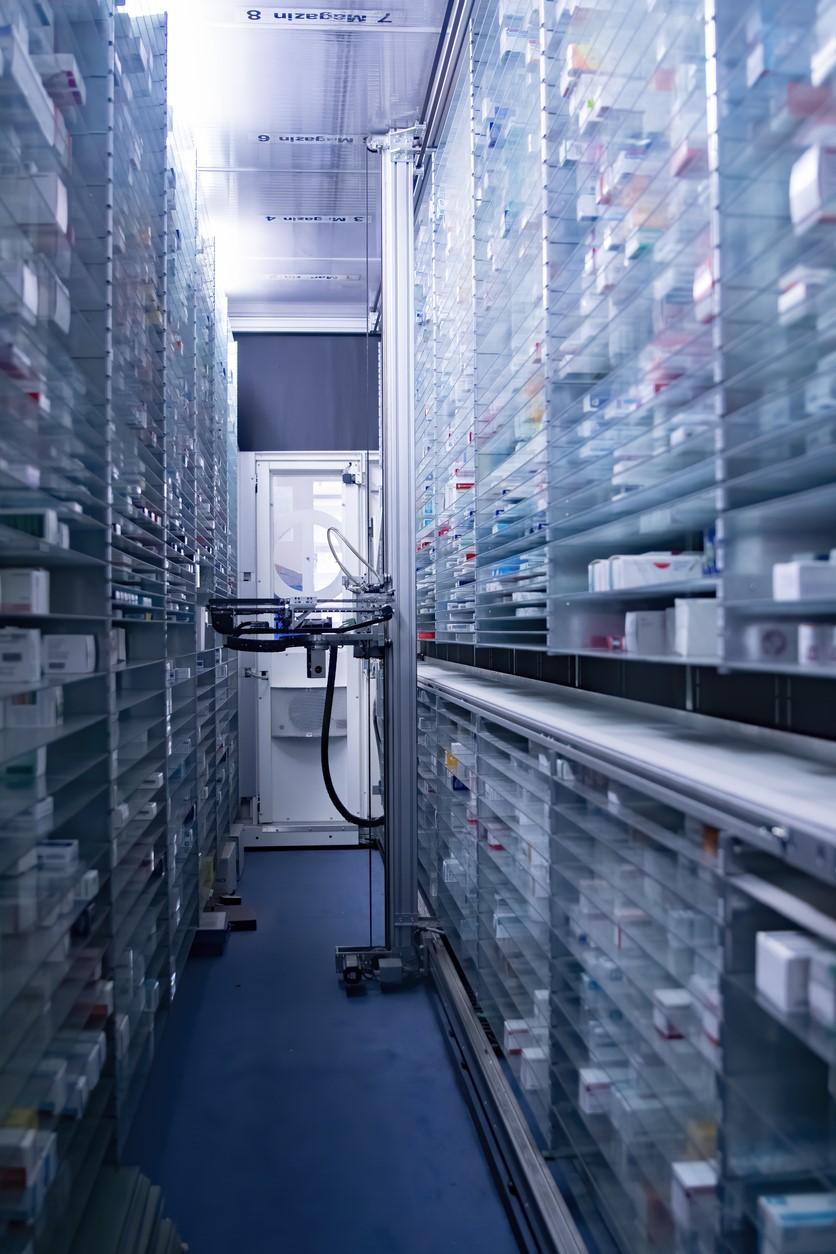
<point x="118" y="646"/>
<point x="813" y="188"/>
<point x="78" y="1091"/>
<point x="594" y="1089"/>
<point x="647" y="569"/>
<point x="822" y="987"/>
<point x="58" y="855"/>
<point x="800" y="1223"/>
<point x="25" y="591"/>
<point x="24" y="771"/>
<point x="816" y="644"/>
<point x="20" y="655"/>
<point x="770" y="641"/>
<point x="516" y="1036"/>
<point x="41" y="523"/>
<point x="226" y="876"/>
<point x="782" y="968"/>
<point x="672" y="1009"/>
<point x="62" y="78"/>
<point x="70" y="654"/>
<point x="18" y="1155"/>
<point x="46" y="1088"/>
<point x="534" y="1070"/>
<point x="88" y="885"/>
<point x="693" y="1192"/>
<point x="36" y="821"/>
<point x="644" y="632"/>
<point x="803" y="580"/>
<point x="151" y="995"/>
<point x="599" y="575"/>
<point x="697" y="627"/>
<point x="44" y="708"/>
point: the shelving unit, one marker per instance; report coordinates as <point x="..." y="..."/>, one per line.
<point x="648" y="366"/>
<point x="106" y="430"/>
<point x="603" y="876"/>
<point x="649" y="192"/>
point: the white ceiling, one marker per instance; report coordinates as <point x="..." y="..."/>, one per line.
<point x="309" y="77"/>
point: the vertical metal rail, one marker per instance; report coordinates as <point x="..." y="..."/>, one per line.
<point x="398" y="457"/>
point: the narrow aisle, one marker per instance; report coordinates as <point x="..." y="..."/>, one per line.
<point x="281" y="1115"/>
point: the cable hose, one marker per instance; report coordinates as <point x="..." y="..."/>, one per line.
<point x="324" y="742"/>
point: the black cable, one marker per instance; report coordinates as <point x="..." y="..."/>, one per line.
<point x="333" y="651"/>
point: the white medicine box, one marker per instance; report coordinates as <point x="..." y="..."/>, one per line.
<point x="44" y="708"/>
<point x="800" y="1223"/>
<point x="697" y="627"/>
<point x="637" y="570"/>
<point x="822" y="987"/>
<point x="69" y="654"/>
<point x="24" y="591"/>
<point x="516" y="1036"/>
<point x="594" y="1089"/>
<point x="803" y="581"/>
<point x="644" y="632"/>
<point x="20" y="655"/>
<point x="782" y="968"/>
<point x="534" y="1071"/>
<point x="693" y="1192"/>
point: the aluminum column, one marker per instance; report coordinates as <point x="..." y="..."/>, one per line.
<point x="398" y="459"/>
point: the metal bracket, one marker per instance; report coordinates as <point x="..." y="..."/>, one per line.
<point x="401" y="145"/>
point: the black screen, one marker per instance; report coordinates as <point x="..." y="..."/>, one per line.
<point x="307" y="392"/>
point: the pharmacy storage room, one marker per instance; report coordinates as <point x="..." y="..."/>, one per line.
<point x="418" y="627"/>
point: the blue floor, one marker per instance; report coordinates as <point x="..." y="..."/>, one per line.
<point x="281" y="1115"/>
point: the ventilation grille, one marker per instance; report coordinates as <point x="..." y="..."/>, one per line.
<point x="297" y="712"/>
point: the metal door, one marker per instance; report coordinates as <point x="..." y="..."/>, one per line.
<point x="298" y="497"/>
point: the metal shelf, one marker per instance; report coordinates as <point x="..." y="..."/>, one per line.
<point x="590" y="884"/>
<point x="114" y="383"/>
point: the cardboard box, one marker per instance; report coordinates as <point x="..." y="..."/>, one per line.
<point x="782" y="968"/>
<point x="70" y="654"/>
<point x="801" y="580"/>
<point x="24" y="591"/>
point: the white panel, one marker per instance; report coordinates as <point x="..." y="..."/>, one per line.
<point x="266" y="85"/>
